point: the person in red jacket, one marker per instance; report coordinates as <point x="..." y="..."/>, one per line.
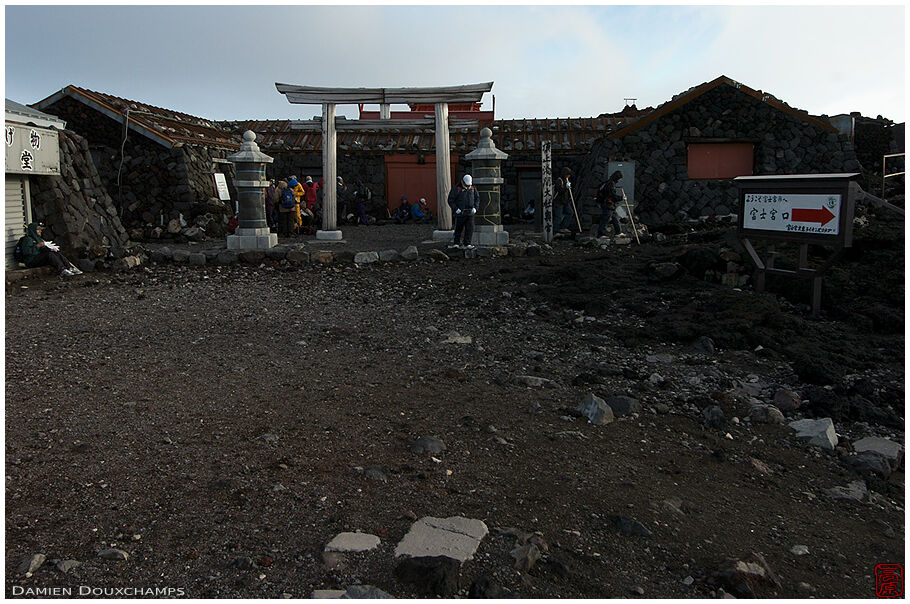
<point x="311" y="195"/>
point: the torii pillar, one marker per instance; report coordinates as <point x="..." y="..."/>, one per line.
<point x="329" y="97"/>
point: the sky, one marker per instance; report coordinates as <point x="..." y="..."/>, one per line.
<point x="221" y="62"/>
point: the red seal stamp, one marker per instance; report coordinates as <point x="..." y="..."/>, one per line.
<point x="889" y="581"/>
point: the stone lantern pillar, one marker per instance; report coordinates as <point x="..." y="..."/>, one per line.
<point x="487" y="175"/>
<point x="249" y="165"/>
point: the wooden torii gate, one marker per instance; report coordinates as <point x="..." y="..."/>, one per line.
<point x="330" y="97"/>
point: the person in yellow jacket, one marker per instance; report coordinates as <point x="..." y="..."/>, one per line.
<point x="299" y="192"/>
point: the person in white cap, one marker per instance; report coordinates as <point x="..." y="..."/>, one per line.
<point x="464" y="200"/>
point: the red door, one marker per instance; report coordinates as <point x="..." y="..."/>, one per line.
<point x="404" y="176"/>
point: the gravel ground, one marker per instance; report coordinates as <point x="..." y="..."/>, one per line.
<point x="217" y="424"/>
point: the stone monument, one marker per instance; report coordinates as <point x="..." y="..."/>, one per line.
<point x="487" y="175"/>
<point x="252" y="231"/>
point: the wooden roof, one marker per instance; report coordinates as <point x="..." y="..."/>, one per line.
<point x="166" y="127"/>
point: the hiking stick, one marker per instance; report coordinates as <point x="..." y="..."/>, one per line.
<point x="572" y="199"/>
<point x="632" y="220"/>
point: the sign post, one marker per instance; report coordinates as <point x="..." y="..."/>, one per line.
<point x="799" y="208"/>
<point x="546" y="183"/>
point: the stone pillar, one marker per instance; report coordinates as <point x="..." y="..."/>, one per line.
<point x="385" y="111"/>
<point x="329" y="175"/>
<point x="252" y="232"/>
<point x="487" y="176"/>
<point x="444" y="230"/>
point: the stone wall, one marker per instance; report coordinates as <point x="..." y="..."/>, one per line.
<point x="156" y="183"/>
<point x="872" y="140"/>
<point x="75" y="207"/>
<point x="783" y="144"/>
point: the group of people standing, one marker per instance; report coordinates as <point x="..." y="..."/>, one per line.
<point x="295" y="208"/>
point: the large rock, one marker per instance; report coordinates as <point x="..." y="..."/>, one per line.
<point x="766" y="414"/>
<point x="855" y="492"/>
<point x="410" y="253"/>
<point x="623" y="405"/>
<point x="455" y="537"/>
<point x="254" y="257"/>
<point x="428" y="444"/>
<point x="438" y="255"/>
<point x="365" y="592"/>
<point x="786" y="400"/>
<point x="31" y="564"/>
<point x="352" y="542"/>
<point x="890" y="450"/>
<point x="366" y="257"/>
<point x="389" y="255"/>
<point x="298" y="256"/>
<point x="817" y="432"/>
<point x="596" y="410"/>
<point x="432" y="575"/>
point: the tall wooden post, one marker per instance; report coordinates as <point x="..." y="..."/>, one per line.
<point x="329" y="175"/>
<point x="443" y="173"/>
<point x="546" y="183"/>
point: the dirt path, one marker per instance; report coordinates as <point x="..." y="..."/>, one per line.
<point x="194" y="417"/>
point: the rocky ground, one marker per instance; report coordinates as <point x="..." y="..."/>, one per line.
<point x="617" y="422"/>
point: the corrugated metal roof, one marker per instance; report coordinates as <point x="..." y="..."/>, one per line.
<point x="18" y="111"/>
<point x="305" y="136"/>
<point x="171" y="126"/>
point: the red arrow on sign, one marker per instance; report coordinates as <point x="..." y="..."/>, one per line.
<point x="822" y="216"/>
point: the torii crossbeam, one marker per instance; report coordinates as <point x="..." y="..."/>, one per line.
<point x="329" y="97"/>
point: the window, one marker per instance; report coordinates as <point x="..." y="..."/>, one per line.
<point x="720" y="160"/>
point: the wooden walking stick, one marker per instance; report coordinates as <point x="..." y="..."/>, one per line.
<point x="632" y="220"/>
<point x="572" y="199"/>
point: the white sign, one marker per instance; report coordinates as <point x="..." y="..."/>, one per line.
<point x="817" y="214"/>
<point x="221" y="186"/>
<point x="32" y="150"/>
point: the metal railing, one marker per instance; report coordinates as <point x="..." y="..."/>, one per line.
<point x="885" y="171"/>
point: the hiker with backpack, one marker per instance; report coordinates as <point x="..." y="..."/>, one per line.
<point x="562" y="208"/>
<point x="606" y="197"/>
<point x="34" y="251"/>
<point x="287" y="208"/>
<point x="464" y="201"/>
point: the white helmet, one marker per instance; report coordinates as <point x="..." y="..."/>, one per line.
<point x="467" y="180"/>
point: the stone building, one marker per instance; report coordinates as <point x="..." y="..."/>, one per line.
<point x="687" y="151"/>
<point x="402" y="162"/>
<point x="168" y="159"/>
<point x="684" y="153"/>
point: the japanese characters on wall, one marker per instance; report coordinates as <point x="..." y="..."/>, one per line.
<point x="32" y="150"/>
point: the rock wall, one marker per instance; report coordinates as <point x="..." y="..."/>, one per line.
<point x="783" y="144"/>
<point x="156" y="184"/>
<point x="75" y="206"/>
<point x="873" y="139"/>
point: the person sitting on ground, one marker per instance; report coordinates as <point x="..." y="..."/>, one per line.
<point x="362" y="197"/>
<point x="403" y="214"/>
<point x="420" y="211"/>
<point x="528" y="212"/>
<point x="36" y="251"/>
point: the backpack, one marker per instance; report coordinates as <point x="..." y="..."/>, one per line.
<point x="17" y="253"/>
<point x="288" y="200"/>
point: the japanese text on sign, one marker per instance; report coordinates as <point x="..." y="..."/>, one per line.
<point x="792" y="213"/>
